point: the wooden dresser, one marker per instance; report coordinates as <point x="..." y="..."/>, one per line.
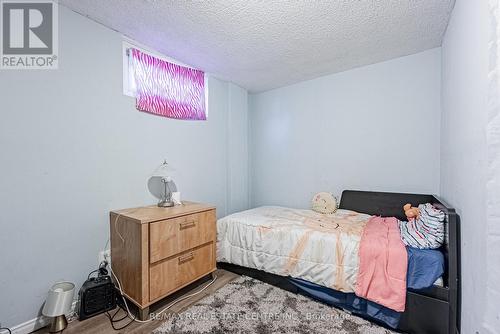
<point x="157" y="251"/>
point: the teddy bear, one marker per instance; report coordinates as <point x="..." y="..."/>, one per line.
<point x="411" y="212"/>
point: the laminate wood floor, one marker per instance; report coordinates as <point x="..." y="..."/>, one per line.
<point x="101" y="325"/>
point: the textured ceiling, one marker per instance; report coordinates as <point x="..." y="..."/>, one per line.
<point x="263" y="44"/>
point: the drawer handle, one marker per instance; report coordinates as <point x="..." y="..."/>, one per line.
<point x="188" y="224"/>
<point x="185" y="258"/>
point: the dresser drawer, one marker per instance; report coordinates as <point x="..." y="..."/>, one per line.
<point x="173" y="236"/>
<point x="180" y="270"/>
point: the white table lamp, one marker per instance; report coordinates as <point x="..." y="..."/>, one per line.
<point x="58" y="303"/>
<point x="164" y="172"/>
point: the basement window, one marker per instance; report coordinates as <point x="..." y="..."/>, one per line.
<point x="162" y="86"/>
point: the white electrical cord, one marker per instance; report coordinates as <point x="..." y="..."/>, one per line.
<point x="166" y="307"/>
<point x="120" y="286"/>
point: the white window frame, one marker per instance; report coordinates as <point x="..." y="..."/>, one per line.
<point x="128" y="82"/>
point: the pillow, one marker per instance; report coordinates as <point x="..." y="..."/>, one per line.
<point x="324" y="203"/>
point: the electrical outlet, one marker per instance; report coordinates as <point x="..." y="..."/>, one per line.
<point x="104" y="256"/>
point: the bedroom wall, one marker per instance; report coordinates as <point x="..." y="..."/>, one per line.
<point x="371" y="128"/>
<point x="73" y="148"/>
<point x="470" y="169"/>
<point x="237" y="144"/>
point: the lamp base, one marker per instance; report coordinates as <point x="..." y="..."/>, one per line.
<point x="58" y="324"/>
<point x="166" y="204"/>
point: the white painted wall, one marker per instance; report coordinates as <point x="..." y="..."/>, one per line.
<point x="73" y="148"/>
<point x="491" y="316"/>
<point x="371" y="128"/>
<point x="237" y="144"/>
<point x="470" y="158"/>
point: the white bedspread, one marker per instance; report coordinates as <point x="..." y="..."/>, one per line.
<point x="319" y="248"/>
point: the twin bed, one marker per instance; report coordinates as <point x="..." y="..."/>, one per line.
<point x="319" y="256"/>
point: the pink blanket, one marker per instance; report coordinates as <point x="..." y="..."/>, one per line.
<point x="382" y="264"/>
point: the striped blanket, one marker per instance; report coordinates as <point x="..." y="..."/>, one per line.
<point x="426" y="231"/>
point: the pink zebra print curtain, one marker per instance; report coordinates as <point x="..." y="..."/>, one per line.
<point x="167" y="89"/>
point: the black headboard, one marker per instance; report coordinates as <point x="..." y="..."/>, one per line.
<point x="391" y="205"/>
<point x="379" y="203"/>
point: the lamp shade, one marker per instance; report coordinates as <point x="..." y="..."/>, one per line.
<point x="59" y="299"/>
<point x="157" y="188"/>
<point x="164" y="171"/>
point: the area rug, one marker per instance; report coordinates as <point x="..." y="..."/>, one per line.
<point x="246" y="305"/>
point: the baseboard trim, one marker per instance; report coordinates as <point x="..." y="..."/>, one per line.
<point x="35" y="324"/>
<point x="30" y="325"/>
